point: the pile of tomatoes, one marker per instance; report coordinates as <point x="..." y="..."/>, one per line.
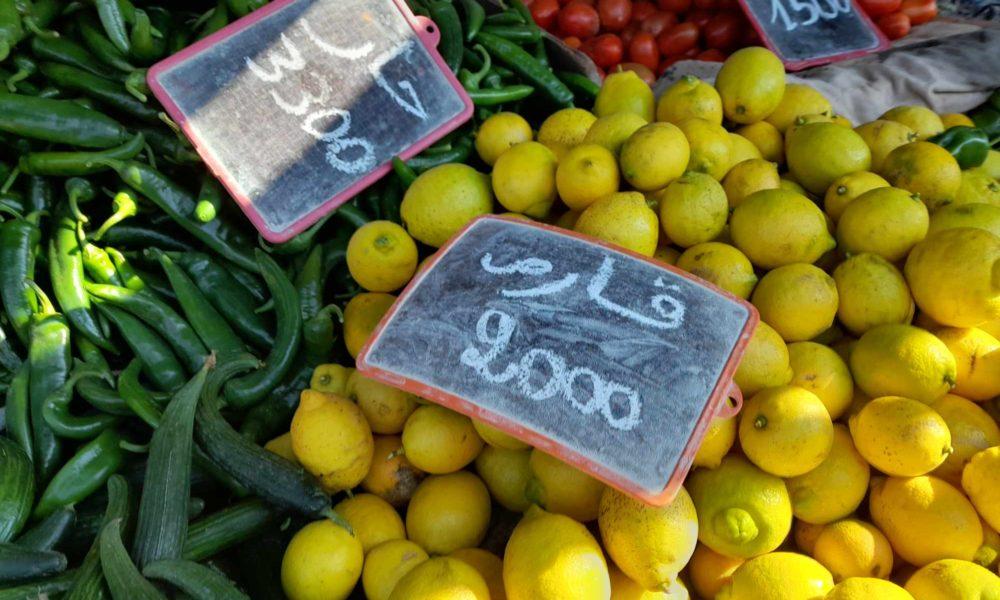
<point x="896" y="17"/>
<point x="644" y="36"/>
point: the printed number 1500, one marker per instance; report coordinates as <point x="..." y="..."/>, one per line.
<point x="813" y="10"/>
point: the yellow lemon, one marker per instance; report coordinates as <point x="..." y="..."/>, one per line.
<point x="441" y="578"/>
<point x="820" y="370"/>
<point x="978" y="187"/>
<point x="332" y="440"/>
<point x="981" y="482"/>
<point x="667" y="254"/>
<point x="949" y="579"/>
<point x="550" y="557"/>
<point x="719" y="438"/>
<point x="391" y="477"/>
<point x="972" y="430"/>
<point x="791" y="186"/>
<point x="373" y="520"/>
<point x="742" y="511"/>
<point x="709" y="571"/>
<point x="799" y="301"/>
<point x="381" y="256"/>
<point x="798" y="100"/>
<point x="322" y="562"/>
<point x="444" y="199"/>
<point x="437" y="440"/>
<point x="953" y="276"/>
<point x="866" y="588"/>
<point x="920" y="119"/>
<point x="624" y="91"/>
<point x="693" y="209"/>
<point x="748" y="177"/>
<point x="448" y="512"/>
<point x="586" y="173"/>
<point x="524" y="179"/>
<point x="926" y="169"/>
<point x="560" y="488"/>
<point x="953" y="216"/>
<point x="612" y="131"/>
<point x="768" y="140"/>
<point x="925" y="519"/>
<point x="778" y="576"/>
<point x="853" y="548"/>
<point x="989" y="553"/>
<point x="689" y="98"/>
<point x="494" y="437"/>
<point x="778" y="227"/>
<point x="623" y="588"/>
<point x="568" y="219"/>
<point x="949" y="120"/>
<point x="623" y="219"/>
<point x="751" y="84"/>
<point x="386" y="564"/>
<point x="361" y="315"/>
<point x="386" y="408"/>
<point x="710" y="147"/>
<point x="902" y="360"/>
<point x="785" y="431"/>
<point x="282" y="446"/>
<point x="977" y="356"/>
<point x="742" y="149"/>
<point x="885" y="221"/>
<point x="806" y="534"/>
<point x="499" y="133"/>
<point x="488" y="565"/>
<point x="722" y="265"/>
<point x="819" y="153"/>
<point x="654" y="155"/>
<point x="882" y="137"/>
<point x="506" y="474"/>
<point x="835" y="488"/>
<point x="899" y="436"/>
<point x="331" y="378"/>
<point x="871" y="292"/>
<point x="992" y="165"/>
<point x="564" y="129"/>
<point x="650" y="544"/>
<point x="765" y="362"/>
<point x="846" y="188"/>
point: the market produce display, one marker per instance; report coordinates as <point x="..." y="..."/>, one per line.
<point x="182" y="416"/>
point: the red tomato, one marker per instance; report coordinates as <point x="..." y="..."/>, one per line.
<point x="579" y="19"/>
<point x="706" y="4"/>
<point x="919" y="11"/>
<point x="544" y="12"/>
<point x="894" y="25"/>
<point x="608" y="50"/>
<point x="692" y="52"/>
<point x="645" y="73"/>
<point x="629" y="32"/>
<point x="723" y="30"/>
<point x="658" y="22"/>
<point x="678" y="39"/>
<point x="587" y="2"/>
<point x="615" y="14"/>
<point x="573" y="42"/>
<point x="877" y="8"/>
<point x="643" y="50"/>
<point x="565" y="2"/>
<point x="727" y="5"/>
<point x="711" y="55"/>
<point x="642" y="10"/>
<point x="675" y="6"/>
<point x="750" y="37"/>
<point x="699" y="17"/>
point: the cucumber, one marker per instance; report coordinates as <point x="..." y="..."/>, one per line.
<point x="50" y="532"/>
<point x="226" y="528"/>
<point x="198" y="581"/>
<point x="49" y="587"/>
<point x="17" y="489"/>
<point x="163" y="519"/>
<point x="88" y="584"/>
<point x="124" y="580"/>
<point x="18" y="564"/>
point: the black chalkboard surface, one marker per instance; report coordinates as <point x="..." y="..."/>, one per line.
<point x="805" y="33"/>
<point x="303" y="103"/>
<point x="611" y="361"/>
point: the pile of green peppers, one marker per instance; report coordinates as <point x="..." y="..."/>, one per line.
<point x="971" y="145"/>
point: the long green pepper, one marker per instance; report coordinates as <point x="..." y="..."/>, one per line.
<point x="162" y="366"/>
<point x="84" y="473"/>
<point x="50" y="360"/>
<point x="19" y="239"/>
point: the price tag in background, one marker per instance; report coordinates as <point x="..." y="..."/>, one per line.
<point x="609" y="360"/>
<point x="303" y="103"/>
<point x="805" y="33"/>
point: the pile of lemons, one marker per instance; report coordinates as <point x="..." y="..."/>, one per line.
<point x="865" y="463"/>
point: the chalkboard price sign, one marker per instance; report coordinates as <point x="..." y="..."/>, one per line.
<point x="805" y="33"/>
<point x="611" y="361"/>
<point x="303" y="103"/>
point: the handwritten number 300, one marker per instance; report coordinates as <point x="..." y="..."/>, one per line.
<point x="814" y="11"/>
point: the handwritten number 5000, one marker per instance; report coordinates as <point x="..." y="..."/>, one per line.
<point x="813" y="10"/>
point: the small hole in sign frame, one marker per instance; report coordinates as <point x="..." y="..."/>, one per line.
<point x="430" y="29"/>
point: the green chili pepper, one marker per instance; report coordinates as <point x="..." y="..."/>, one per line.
<point x="987" y="119"/>
<point x="102" y="48"/>
<point x="241" y="8"/>
<point x="68" y="52"/>
<point x="79" y="190"/>
<point x="475" y="15"/>
<point x="61" y="421"/>
<point x="446" y="17"/>
<point x="59" y="121"/>
<point x="113" y="21"/>
<point x="136" y="397"/>
<point x="492" y="81"/>
<point x="218" y="18"/>
<point x="162" y="367"/>
<point x="403" y="171"/>
<point x="19" y="239"/>
<point x="319" y="334"/>
<point x="392" y="197"/>
<point x="66" y="164"/>
<point x="209" y="199"/>
<point x="268" y="418"/>
<point x="18" y="409"/>
<point x="108" y="92"/>
<point x="87" y="471"/>
<point x="41" y="194"/>
<point x="969" y="146"/>
<point x="528" y="67"/>
<point x="468" y="79"/>
<point x="507" y="17"/>
<point x="521" y="34"/>
<point x="143" y="43"/>
<point x="167" y="145"/>
<point x="11" y="27"/>
<point x="50" y="358"/>
<point x="135" y="84"/>
<point x="99" y="266"/>
<point x="11" y="203"/>
<point x="95" y="391"/>
<point x="459" y="153"/>
<point x="137" y="236"/>
<point x="39" y="15"/>
<point x="511" y="93"/>
<point x="310" y="281"/>
<point x="582" y="86"/>
<point x="26" y="67"/>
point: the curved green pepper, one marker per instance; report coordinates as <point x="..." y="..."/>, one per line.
<point x="968" y="145"/>
<point x="83" y="474"/>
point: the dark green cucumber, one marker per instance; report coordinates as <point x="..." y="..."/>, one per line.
<point x="17" y="489"/>
<point x="226" y="528"/>
<point x="50" y="531"/>
<point x="50" y="587"/>
<point x="88" y="584"/>
<point x="19" y="564"/>
<point x="198" y="581"/>
<point x="124" y="580"/>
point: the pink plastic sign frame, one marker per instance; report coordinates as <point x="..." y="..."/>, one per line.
<point x="425" y="30"/>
